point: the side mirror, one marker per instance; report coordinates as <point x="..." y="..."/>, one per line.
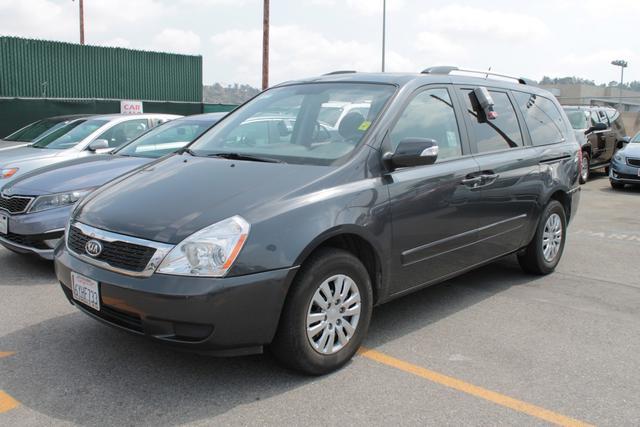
<point x="99" y="144"/>
<point x="596" y="128"/>
<point x="413" y="152"/>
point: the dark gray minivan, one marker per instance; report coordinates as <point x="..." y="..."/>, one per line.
<point x="266" y="233"/>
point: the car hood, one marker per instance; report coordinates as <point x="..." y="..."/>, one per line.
<point x="632" y="150"/>
<point x="171" y="199"/>
<point x="77" y="174"/>
<point x="14" y="155"/>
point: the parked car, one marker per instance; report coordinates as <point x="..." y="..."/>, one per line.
<point x="625" y="166"/>
<point x="601" y="132"/>
<point x="31" y="132"/>
<point x="228" y="247"/>
<point x="96" y="135"/>
<point x="35" y="208"/>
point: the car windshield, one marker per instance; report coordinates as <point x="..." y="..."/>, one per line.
<point x="70" y="135"/>
<point x="636" y="139"/>
<point x="579" y="119"/>
<point x="283" y="124"/>
<point x="35" y="130"/>
<point x="167" y="138"/>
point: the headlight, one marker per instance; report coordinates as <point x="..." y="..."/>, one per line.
<point x="8" y="172"/>
<point x="51" y="201"/>
<point x="209" y="252"/>
<point x="619" y="158"/>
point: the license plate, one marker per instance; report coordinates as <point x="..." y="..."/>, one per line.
<point x="4" y="224"/>
<point x="85" y="291"/>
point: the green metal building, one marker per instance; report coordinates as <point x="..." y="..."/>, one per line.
<point x="41" y="78"/>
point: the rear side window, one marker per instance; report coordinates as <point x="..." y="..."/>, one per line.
<point x="500" y="133"/>
<point x="544" y="120"/>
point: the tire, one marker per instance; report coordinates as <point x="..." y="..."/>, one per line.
<point x="585" y="172"/>
<point x="536" y="259"/>
<point x="292" y="346"/>
<point x="616" y="185"/>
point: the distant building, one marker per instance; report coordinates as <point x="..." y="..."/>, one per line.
<point x="584" y="94"/>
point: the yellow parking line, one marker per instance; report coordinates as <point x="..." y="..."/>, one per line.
<point x="7" y="402"/>
<point x="483" y="393"/>
<point x="6" y="354"/>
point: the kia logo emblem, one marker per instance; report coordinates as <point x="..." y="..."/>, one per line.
<point x="93" y="248"/>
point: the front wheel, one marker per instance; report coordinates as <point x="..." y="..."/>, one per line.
<point x="543" y="254"/>
<point x="326" y="315"/>
<point x="584" y="172"/>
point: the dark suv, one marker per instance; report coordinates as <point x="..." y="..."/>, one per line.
<point x="601" y="133"/>
<point x="267" y="235"/>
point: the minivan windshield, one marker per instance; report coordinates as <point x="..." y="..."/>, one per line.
<point x="579" y="119"/>
<point x="167" y="138"/>
<point x="70" y="135"/>
<point x="284" y="124"/>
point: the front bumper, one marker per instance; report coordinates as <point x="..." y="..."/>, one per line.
<point x="225" y="316"/>
<point x="36" y="233"/>
<point x="575" y="201"/>
<point x="623" y="173"/>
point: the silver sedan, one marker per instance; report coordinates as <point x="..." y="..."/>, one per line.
<point x="96" y="134"/>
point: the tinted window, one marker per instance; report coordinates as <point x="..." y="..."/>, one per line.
<point x="124" y="132"/>
<point x="70" y="135"/>
<point x="284" y="123"/>
<point x="35" y="130"/>
<point x="430" y="115"/>
<point x="500" y="133"/>
<point x="543" y="118"/>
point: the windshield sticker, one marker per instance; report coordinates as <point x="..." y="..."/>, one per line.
<point x="365" y="125"/>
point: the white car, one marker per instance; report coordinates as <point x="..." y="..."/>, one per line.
<point x="95" y="134"/>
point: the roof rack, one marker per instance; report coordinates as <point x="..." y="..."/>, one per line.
<point x="340" y="72"/>
<point x="447" y="69"/>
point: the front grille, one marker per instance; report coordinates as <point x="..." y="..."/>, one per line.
<point x="128" y="321"/>
<point x="35" y="241"/>
<point x="15" y="204"/>
<point x="122" y="255"/>
<point x="634" y="162"/>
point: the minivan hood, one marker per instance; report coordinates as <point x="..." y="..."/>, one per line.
<point x="13" y="155"/>
<point x="169" y="200"/>
<point x="71" y="175"/>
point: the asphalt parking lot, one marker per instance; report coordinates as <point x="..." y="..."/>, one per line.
<point x="493" y="347"/>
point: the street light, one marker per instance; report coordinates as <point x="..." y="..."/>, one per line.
<point x="384" y="29"/>
<point x="81" y="7"/>
<point x="622" y="64"/>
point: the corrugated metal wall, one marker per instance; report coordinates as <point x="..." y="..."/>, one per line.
<point x="38" y="68"/>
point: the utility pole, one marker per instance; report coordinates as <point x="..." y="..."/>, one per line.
<point x="265" y="46"/>
<point x="81" y="7"/>
<point x="622" y="64"/>
<point x="384" y="30"/>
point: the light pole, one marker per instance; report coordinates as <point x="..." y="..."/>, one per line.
<point x="81" y="7"/>
<point x="265" y="46"/>
<point x="622" y="64"/>
<point x="384" y="29"/>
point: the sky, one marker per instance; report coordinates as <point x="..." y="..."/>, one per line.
<point x="555" y="38"/>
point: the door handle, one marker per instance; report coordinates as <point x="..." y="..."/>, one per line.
<point x="472" y="181"/>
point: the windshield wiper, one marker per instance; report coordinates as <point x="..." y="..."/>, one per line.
<point x="188" y="151"/>
<point x="238" y="156"/>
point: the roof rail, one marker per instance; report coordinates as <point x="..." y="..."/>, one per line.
<point x="447" y="69"/>
<point x="340" y="72"/>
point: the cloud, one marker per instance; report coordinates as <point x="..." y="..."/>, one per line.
<point x="178" y="41"/>
<point x="296" y="52"/>
<point x="484" y="25"/>
<point x="116" y="42"/>
<point x="38" y="18"/>
<point x="363" y="7"/>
